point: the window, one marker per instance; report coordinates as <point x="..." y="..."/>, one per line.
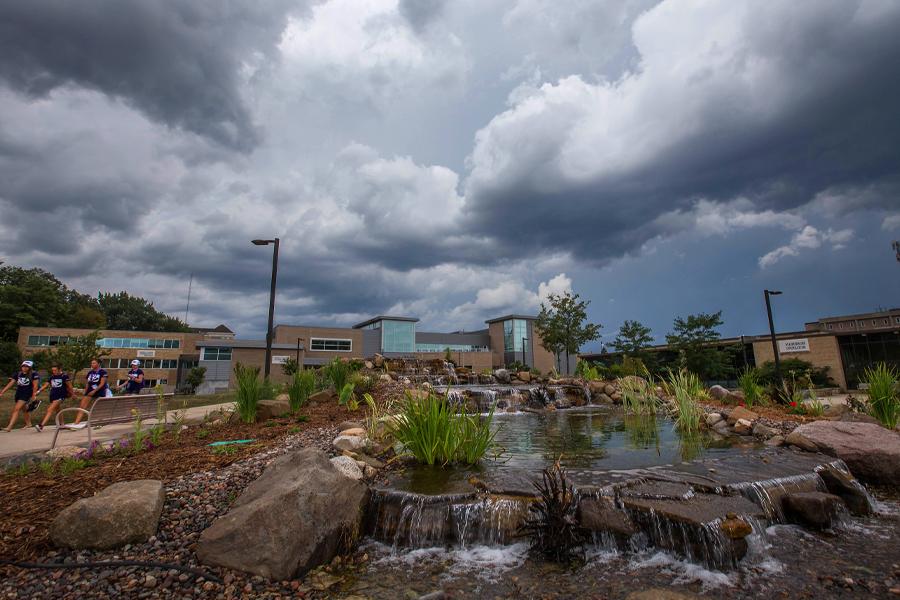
<point x="421" y="347"/>
<point x="330" y="345"/>
<point x="137" y="343"/>
<point x="830" y="326"/>
<point x="47" y="340"/>
<point x="398" y="336"/>
<point x="514" y="332"/>
<point x="216" y="353"/>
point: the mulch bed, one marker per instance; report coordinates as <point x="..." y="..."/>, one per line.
<point x="31" y="501"/>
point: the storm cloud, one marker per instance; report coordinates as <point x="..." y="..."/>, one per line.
<point x="454" y="160"/>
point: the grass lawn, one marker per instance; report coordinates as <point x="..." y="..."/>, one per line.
<point x="6" y="404"/>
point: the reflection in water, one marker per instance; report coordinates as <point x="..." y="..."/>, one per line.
<point x="642" y="431"/>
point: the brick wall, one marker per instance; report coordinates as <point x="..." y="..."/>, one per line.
<point x="823" y="352"/>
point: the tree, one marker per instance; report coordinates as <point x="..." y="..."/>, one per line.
<point x="194" y="378"/>
<point x="563" y="326"/>
<point x="75" y="355"/>
<point x="10" y="359"/>
<point x="632" y="338"/>
<point x="290" y="366"/>
<point x="133" y="313"/>
<point x="694" y="339"/>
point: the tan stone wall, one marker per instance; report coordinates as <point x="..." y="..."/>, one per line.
<point x="495" y="331"/>
<point x="288" y="334"/>
<point x="544" y="360"/>
<point x="474" y="360"/>
<point x="256" y="357"/>
<point x="823" y="352"/>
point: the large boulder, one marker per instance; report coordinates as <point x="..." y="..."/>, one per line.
<point x="524" y="376"/>
<point x="718" y="392"/>
<point x="813" y="509"/>
<point x="871" y="451"/>
<point x="323" y="397"/>
<point x="739" y="412"/>
<point x="271" y="409"/>
<point x="502" y="376"/>
<point x="122" y="513"/>
<point x="300" y="513"/>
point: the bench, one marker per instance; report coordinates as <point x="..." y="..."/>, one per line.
<point x="114" y="409"/>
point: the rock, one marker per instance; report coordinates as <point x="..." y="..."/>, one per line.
<point x="734" y="527"/>
<point x="270" y="409"/>
<point x="122" y="513"/>
<point x="713" y="418"/>
<point x="848" y="489"/>
<point x="775" y="441"/>
<point x="855" y="417"/>
<point x="764" y="431"/>
<point x="323" y="397"/>
<point x="718" y="392"/>
<point x="502" y="376"/>
<point x="743" y="427"/>
<point x="834" y="407"/>
<point x="722" y="428"/>
<point x="596" y="387"/>
<point x="814" y="509"/>
<point x="796" y="438"/>
<point x="369" y="364"/>
<point x="351" y="443"/>
<point x="370" y="461"/>
<point x="357" y="431"/>
<point x="61" y="452"/>
<point x="385" y="377"/>
<point x="660" y="594"/>
<point x="283" y="398"/>
<point x="345" y="425"/>
<point x="300" y="513"/>
<point x="599" y="515"/>
<point x="739" y="412"/>
<point x="604" y="398"/>
<point x="870" y="451"/>
<point x="378" y="360"/>
<point x="348" y="467"/>
<point x="524" y="376"/>
<point x="610" y="389"/>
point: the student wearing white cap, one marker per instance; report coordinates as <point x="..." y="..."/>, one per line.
<point x="135" y="382"/>
<point x="26" y="382"/>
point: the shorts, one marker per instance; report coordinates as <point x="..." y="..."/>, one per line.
<point x="23" y="396"/>
<point x="60" y="399"/>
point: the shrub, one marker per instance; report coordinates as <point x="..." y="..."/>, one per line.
<point x="267" y="389"/>
<point x="337" y="374"/>
<point x="249" y="389"/>
<point x="884" y="399"/>
<point x="638" y="395"/>
<point x="290" y="366"/>
<point x="347" y="397"/>
<point x="433" y="432"/>
<point x="795" y="368"/>
<point x="551" y="524"/>
<point x="194" y="378"/>
<point x="300" y="388"/>
<point x="364" y="383"/>
<point x="750" y="385"/>
<point x="687" y="389"/>
<point x="585" y="370"/>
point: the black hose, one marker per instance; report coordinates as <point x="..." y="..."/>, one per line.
<point x="110" y="563"/>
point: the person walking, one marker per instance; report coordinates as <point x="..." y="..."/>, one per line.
<point x="95" y="387"/>
<point x="60" y="385"/>
<point x="135" y="382"/>
<point x="26" y="382"/>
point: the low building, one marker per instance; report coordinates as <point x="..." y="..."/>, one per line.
<point x="846" y="345"/>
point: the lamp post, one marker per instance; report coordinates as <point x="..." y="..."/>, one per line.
<point x="768" y="293"/>
<point x="275" y="241"/>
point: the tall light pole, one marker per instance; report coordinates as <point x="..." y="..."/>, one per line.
<point x="768" y="293"/>
<point x="275" y="241"/>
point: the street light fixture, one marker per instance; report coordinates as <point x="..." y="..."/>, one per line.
<point x="268" y="366"/>
<point x="768" y="293"/>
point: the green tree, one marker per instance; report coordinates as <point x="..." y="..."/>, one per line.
<point x="133" y="313"/>
<point x="29" y="297"/>
<point x="194" y="378"/>
<point x="10" y="359"/>
<point x="75" y="355"/>
<point x="563" y="325"/>
<point x="632" y="338"/>
<point x="694" y="338"/>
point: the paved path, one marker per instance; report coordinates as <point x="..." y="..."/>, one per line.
<point x="29" y="441"/>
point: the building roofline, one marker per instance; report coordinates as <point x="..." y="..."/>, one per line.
<point x="384" y="318"/>
<point x="868" y="315"/>
<point x="508" y="317"/>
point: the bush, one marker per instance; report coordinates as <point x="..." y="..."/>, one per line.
<point x="290" y="366"/>
<point x="249" y="390"/>
<point x="195" y="378"/>
<point x="300" y="388"/>
<point x="364" y="384"/>
<point x="435" y="433"/>
<point x="337" y="374"/>
<point x="10" y="357"/>
<point x="797" y="369"/>
<point x="750" y="385"/>
<point x="884" y="398"/>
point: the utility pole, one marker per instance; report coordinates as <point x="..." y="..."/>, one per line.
<point x="768" y="293"/>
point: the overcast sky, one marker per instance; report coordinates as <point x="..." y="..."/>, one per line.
<point x="457" y="160"/>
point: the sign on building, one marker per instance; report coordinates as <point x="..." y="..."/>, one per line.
<point x="146" y="353"/>
<point x="798" y="345"/>
<point x="280" y="360"/>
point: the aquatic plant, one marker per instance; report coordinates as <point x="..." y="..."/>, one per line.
<point x="687" y="390"/>
<point x="639" y="395"/>
<point x="551" y="524"/>
<point x="884" y="398"/>
<point x="749" y="382"/>
<point x="249" y="391"/>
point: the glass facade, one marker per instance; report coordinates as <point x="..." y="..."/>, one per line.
<point x="47" y="340"/>
<point x="331" y="345"/>
<point x="137" y="343"/>
<point x="420" y="347"/>
<point x="860" y="352"/>
<point x="212" y="353"/>
<point x="398" y="336"/>
<point x="514" y="333"/>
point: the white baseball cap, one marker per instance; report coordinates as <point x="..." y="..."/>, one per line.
<point x="135" y="362"/>
<point x="27" y="363"/>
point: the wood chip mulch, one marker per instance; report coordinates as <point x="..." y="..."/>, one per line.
<point x="30" y="502"/>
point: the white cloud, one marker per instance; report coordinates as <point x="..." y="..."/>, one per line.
<point x="891" y="222"/>
<point x="808" y="238"/>
<point x="509" y="296"/>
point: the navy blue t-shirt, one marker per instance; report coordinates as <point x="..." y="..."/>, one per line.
<point x="134" y="386"/>
<point x="93" y="382"/>
<point x="24" y="385"/>
<point x="59" y="390"/>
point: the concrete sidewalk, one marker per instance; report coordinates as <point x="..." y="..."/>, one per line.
<point x="28" y="441"/>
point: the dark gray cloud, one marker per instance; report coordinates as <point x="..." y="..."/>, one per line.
<point x="419" y="13"/>
<point x="178" y="62"/>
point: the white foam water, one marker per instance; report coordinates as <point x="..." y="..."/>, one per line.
<point x="488" y="563"/>
<point x="684" y="572"/>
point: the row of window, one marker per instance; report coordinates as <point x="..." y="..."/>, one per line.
<point x="861" y="323"/>
<point x="215" y="353"/>
<point x="47" y="340"/>
<point x="137" y="343"/>
<point x="420" y="347"/>
<point x="330" y="345"/>
<point x="150" y="363"/>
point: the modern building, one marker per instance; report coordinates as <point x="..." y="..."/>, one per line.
<point x="846" y="345"/>
<point x="165" y="356"/>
